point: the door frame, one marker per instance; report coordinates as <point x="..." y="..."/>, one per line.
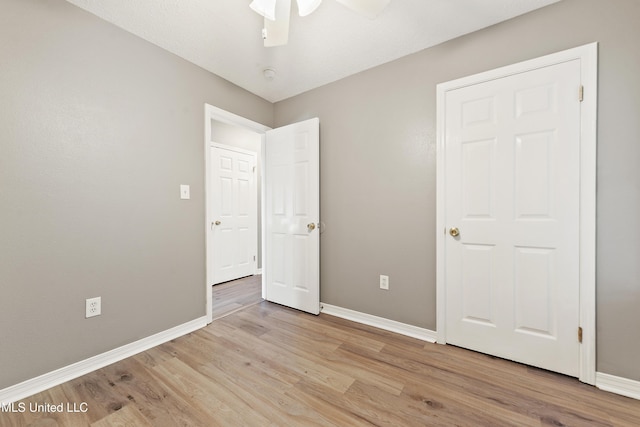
<point x="254" y="194"/>
<point x="220" y="115"/>
<point x="588" y="56"/>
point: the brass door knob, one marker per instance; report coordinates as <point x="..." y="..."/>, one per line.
<point x="454" y="232"/>
<point x="311" y="226"/>
<point x="217" y="223"/>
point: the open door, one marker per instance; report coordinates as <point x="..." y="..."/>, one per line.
<point x="292" y="216"/>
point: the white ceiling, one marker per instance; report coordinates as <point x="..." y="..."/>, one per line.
<point x="224" y="36"/>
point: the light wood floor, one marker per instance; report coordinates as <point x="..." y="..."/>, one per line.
<point x="235" y="295"/>
<point x="266" y="365"/>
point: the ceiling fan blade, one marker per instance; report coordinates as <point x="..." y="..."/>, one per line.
<point x="369" y="8"/>
<point x="277" y="32"/>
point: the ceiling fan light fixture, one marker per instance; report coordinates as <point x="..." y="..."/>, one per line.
<point x="266" y="8"/>
<point x="306" y="7"/>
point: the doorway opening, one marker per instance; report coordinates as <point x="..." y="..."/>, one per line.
<point x="290" y="213"/>
<point x="233" y="162"/>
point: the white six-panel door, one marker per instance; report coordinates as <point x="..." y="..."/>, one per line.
<point x="233" y="212"/>
<point x="292" y="215"/>
<point x="512" y="150"/>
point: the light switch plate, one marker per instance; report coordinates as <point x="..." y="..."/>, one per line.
<point x="384" y="282"/>
<point x="185" y="192"/>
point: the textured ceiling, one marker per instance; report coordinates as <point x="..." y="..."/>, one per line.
<point x="224" y="36"/>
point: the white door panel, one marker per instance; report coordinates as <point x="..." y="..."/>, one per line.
<point x="512" y="157"/>
<point x="234" y="213"/>
<point x="292" y="204"/>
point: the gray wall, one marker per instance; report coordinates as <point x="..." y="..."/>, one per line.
<point x="378" y="168"/>
<point x="97" y="131"/>
<point x="238" y="137"/>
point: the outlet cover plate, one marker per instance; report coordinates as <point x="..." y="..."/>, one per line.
<point x="93" y="307"/>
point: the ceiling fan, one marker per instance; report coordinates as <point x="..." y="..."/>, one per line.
<point x="276" y="15"/>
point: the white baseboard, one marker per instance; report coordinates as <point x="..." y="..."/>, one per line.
<point x="380" y="322"/>
<point x="618" y="385"/>
<point x="67" y="373"/>
<point x="258" y="271"/>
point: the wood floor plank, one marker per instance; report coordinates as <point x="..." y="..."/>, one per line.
<point x="154" y="356"/>
<point x="299" y="364"/>
<point x="256" y="395"/>
<point x="412" y="371"/>
<point x="128" y="416"/>
<point x="270" y="365"/>
<point x="362" y="330"/>
<point x="234" y="356"/>
<point x="361" y="409"/>
<point x="132" y="380"/>
<point x="414" y="414"/>
<point x="93" y="389"/>
<point x="210" y="398"/>
<point x="72" y="414"/>
<point x="478" y="392"/>
<point x="446" y="406"/>
<point x="247" y="382"/>
<point x="321" y="354"/>
<point x="320" y="325"/>
<point x="232" y="296"/>
<point x="487" y="374"/>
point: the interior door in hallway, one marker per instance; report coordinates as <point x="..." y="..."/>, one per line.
<point x="292" y="215"/>
<point x="234" y="213"/>
<point x="512" y="215"/>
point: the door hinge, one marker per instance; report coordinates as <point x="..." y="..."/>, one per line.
<point x="254" y="257"/>
<point x="254" y="169"/>
<point x="580" y="334"/>
<point x="581" y="93"/>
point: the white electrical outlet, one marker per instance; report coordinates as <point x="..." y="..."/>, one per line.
<point x="93" y="307"/>
<point x="384" y="282"/>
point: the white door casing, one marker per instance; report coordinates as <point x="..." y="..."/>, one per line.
<point x="516" y="176"/>
<point x="234" y="212"/>
<point x="304" y="286"/>
<point x="211" y="115"/>
<point x="292" y="216"/>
